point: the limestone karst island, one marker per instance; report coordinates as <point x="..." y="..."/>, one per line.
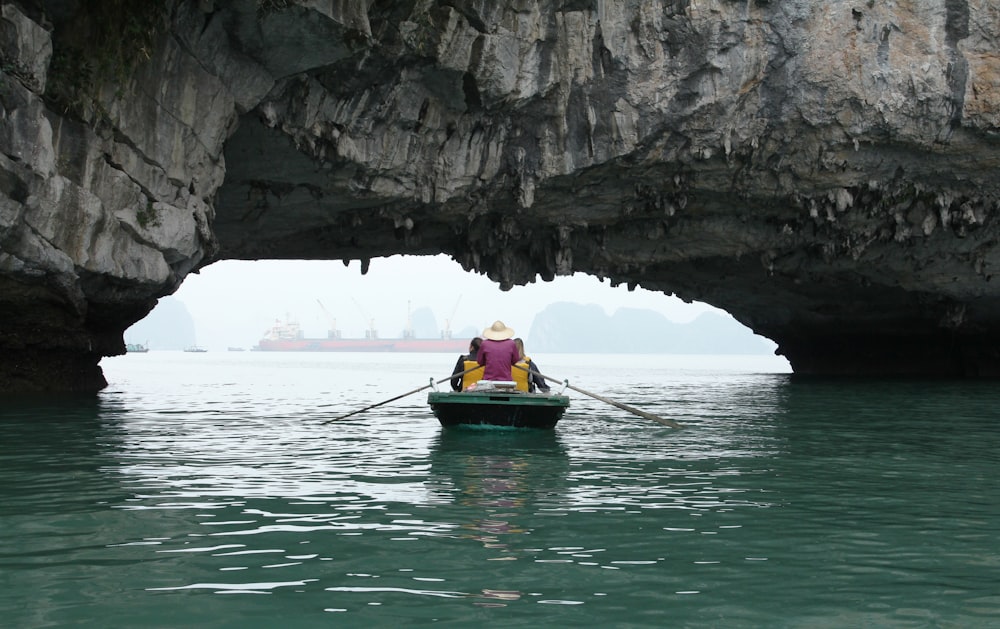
<point x="824" y="171"/>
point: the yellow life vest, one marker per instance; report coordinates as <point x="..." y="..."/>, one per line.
<point x="473" y="376"/>
<point x="519" y="375"/>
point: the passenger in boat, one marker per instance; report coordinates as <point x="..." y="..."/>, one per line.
<point x="498" y="352"/>
<point x="461" y="381"/>
<point x="530" y="380"/>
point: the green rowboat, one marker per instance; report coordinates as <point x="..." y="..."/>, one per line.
<point x="497" y="407"/>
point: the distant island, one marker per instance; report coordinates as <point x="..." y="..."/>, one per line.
<point x="575" y="328"/>
<point x="168" y="326"/>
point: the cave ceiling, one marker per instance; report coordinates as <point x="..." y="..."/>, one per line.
<point x="825" y="173"/>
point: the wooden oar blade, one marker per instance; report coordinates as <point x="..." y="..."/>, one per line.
<point x="625" y="407"/>
<point x="631" y="409"/>
<point x="399" y="397"/>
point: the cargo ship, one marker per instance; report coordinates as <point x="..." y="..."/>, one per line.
<point x="288" y="337"/>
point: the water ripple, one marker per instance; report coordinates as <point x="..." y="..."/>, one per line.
<point x="780" y="504"/>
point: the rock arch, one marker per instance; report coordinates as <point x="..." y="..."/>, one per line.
<point x="825" y="174"/>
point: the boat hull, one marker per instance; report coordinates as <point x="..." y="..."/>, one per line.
<point x="497" y="409"/>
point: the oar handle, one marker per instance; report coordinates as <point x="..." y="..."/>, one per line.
<point x="398" y="397"/>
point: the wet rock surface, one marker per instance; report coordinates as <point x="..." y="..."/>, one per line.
<point x="824" y="172"/>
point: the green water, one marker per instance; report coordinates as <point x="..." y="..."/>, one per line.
<point x="204" y="490"/>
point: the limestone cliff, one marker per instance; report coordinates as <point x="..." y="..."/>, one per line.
<point x="823" y="171"/>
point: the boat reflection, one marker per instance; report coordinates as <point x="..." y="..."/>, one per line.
<point x="499" y="474"/>
<point x="503" y="478"/>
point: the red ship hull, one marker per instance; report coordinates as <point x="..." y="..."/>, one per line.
<point x="457" y="346"/>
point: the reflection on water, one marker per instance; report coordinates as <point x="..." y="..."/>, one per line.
<point x="499" y="468"/>
<point x="501" y="479"/>
<point x="213" y="495"/>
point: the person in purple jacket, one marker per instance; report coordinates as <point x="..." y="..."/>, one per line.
<point x="498" y="352"/>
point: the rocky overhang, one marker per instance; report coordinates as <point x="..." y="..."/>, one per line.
<point x="825" y="172"/>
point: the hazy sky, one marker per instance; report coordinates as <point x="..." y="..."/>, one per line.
<point x="235" y="302"/>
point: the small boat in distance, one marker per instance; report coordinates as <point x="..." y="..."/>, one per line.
<point x="497" y="405"/>
<point x="136" y="348"/>
<point x="236" y="349"/>
<point x="195" y="349"/>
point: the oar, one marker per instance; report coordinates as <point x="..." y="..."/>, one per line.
<point x="399" y="397"/>
<point x="624" y="407"/>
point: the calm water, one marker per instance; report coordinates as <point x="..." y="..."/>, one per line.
<point x="205" y="490"/>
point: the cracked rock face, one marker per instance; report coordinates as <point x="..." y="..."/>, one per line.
<point x="826" y="172"/>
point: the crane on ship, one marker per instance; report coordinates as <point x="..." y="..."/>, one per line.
<point x="446" y="333"/>
<point x="333" y="332"/>
<point x="408" y="331"/>
<point x="371" y="332"/>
